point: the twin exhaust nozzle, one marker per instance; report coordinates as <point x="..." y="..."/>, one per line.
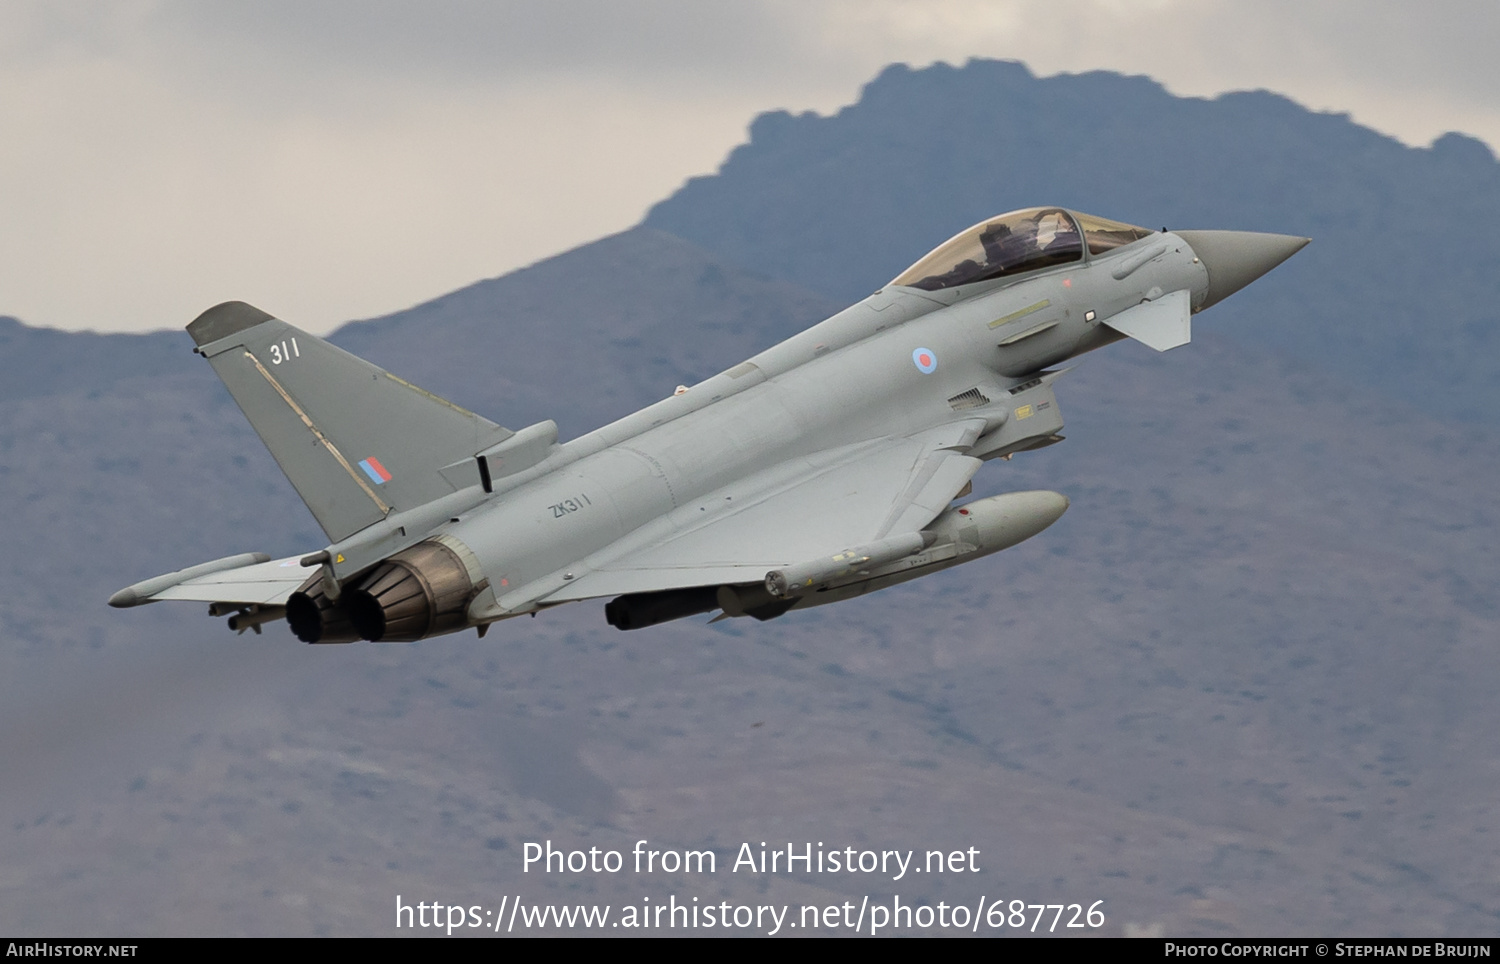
<point x="419" y="592"/>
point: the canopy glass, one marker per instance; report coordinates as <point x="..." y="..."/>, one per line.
<point x="1013" y="244"/>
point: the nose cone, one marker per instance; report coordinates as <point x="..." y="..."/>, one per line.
<point x="1236" y="258"/>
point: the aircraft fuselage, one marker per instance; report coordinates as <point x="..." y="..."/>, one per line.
<point x="849" y="378"/>
<point x="824" y="467"/>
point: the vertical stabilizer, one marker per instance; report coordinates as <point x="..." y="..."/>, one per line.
<point x="354" y="440"/>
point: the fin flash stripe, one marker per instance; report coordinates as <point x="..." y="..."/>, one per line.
<point x="378" y="473"/>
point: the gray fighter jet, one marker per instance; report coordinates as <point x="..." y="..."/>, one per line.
<point x="823" y="468"/>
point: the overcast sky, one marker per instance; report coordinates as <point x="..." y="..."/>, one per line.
<point x="337" y="160"/>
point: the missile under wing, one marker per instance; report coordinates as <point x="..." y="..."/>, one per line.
<point x="825" y="467"/>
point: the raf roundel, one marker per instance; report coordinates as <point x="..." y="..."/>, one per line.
<point x="925" y="360"/>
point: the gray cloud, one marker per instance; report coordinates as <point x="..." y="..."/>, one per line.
<point x="1438" y="48"/>
<point x="1433" y="49"/>
<point x="341" y="159"/>
<point x="474" y="40"/>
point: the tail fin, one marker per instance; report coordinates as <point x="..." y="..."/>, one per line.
<point x="354" y="440"/>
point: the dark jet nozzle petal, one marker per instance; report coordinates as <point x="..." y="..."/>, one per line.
<point x="1236" y="258"/>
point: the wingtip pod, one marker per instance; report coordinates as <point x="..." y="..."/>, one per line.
<point x="126" y="598"/>
<point x="142" y="592"/>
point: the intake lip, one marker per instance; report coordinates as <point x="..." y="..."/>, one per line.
<point x="1236" y="258"/>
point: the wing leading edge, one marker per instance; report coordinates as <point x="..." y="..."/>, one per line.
<point x="247" y="579"/>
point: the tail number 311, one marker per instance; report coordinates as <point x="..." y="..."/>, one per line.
<point x="280" y="352"/>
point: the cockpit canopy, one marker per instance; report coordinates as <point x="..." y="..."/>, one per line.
<point x="1014" y="243"/>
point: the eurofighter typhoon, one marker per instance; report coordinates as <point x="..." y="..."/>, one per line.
<point x="823" y="468"/>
